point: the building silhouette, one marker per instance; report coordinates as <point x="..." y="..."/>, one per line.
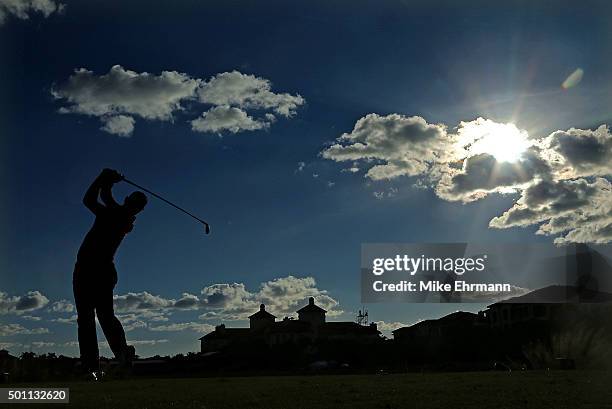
<point x="310" y="327"/>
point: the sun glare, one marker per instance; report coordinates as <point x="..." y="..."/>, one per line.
<point x="503" y="141"/>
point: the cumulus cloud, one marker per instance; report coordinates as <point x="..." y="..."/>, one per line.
<point x="390" y="326"/>
<point x="18" y="304"/>
<point x="141" y="301"/>
<point x="70" y="320"/>
<point x="120" y="96"/>
<point x="226" y="301"/>
<point x="23" y="9"/>
<point x="184" y="326"/>
<point x="581" y="152"/>
<point x="247" y="91"/>
<point x="121" y="125"/>
<point x="581" y="208"/>
<point x="482" y="174"/>
<point x="61" y="306"/>
<point x="562" y="180"/>
<point x="147" y="341"/>
<point x="400" y="145"/>
<point x="225" y="118"/>
<point x="15" y="329"/>
<point x="282" y="296"/>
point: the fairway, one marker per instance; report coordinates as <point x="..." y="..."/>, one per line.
<point x="498" y="390"/>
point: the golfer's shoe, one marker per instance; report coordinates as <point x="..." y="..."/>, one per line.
<point x="95" y="376"/>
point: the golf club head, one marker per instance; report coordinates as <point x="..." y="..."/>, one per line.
<point x="206" y="228"/>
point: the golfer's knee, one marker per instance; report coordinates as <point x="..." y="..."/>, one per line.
<point x="107" y="317"/>
<point x="86" y="319"/>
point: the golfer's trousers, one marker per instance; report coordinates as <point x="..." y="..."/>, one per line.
<point x="93" y="295"/>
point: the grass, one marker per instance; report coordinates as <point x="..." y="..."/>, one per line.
<point x="496" y="390"/>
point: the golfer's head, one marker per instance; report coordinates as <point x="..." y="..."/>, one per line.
<point x="135" y="202"/>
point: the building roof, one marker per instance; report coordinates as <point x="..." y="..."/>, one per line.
<point x="262" y="313"/>
<point x="455" y="316"/>
<point x="311" y="307"/>
<point x="559" y="294"/>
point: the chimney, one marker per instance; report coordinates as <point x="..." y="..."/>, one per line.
<point x="262" y="307"/>
<point x="220" y="328"/>
<point x="311" y="301"/>
<point x="374" y="326"/>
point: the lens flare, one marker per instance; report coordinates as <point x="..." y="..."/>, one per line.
<point x="573" y="79"/>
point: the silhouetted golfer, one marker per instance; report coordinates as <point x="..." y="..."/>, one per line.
<point x="94" y="274"/>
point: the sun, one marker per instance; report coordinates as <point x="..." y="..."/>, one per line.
<point x="504" y="141"/>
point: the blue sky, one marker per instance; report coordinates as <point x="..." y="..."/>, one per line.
<point x="271" y="216"/>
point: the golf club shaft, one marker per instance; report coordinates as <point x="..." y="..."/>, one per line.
<point x="165" y="200"/>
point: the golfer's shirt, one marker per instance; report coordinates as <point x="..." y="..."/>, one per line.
<point x="105" y="236"/>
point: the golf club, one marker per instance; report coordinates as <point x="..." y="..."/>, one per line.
<point x="206" y="225"/>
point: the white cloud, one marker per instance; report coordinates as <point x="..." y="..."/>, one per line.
<point x="18" y="329"/>
<point x="61" y="306"/>
<point x="579" y="208"/>
<point x="563" y="179"/>
<point x="131" y="302"/>
<point x="390" y="326"/>
<point x="225" y="118"/>
<point x="395" y="145"/>
<point x="70" y="320"/>
<point x="42" y="344"/>
<point x="22" y="9"/>
<point x="221" y="301"/>
<point x="147" y="341"/>
<point x="120" y="96"/>
<point x="232" y="301"/>
<point x="282" y="297"/>
<point x="31" y="301"/>
<point x="580" y="152"/>
<point x="249" y="92"/>
<point x="182" y="326"/>
<point x="134" y="325"/>
<point x="121" y="125"/>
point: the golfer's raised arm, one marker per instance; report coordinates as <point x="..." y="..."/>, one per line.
<point x="106" y="194"/>
<point x="90" y="200"/>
